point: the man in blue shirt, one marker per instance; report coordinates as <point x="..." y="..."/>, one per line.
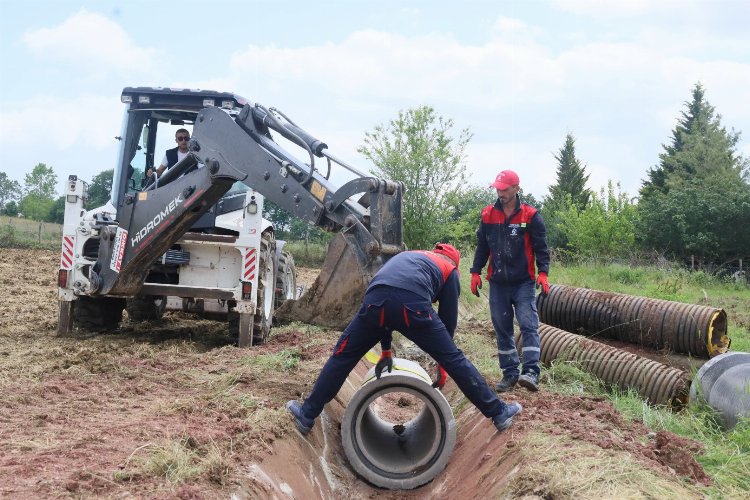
<point x="512" y="236"/>
<point x="400" y="297"/>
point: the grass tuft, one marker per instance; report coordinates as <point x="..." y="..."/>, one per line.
<point x="590" y="472"/>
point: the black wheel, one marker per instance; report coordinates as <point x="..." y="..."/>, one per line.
<point x="146" y="307"/>
<point x="98" y="314"/>
<point x="266" y="289"/>
<point x="286" y="279"/>
<point x="265" y="298"/>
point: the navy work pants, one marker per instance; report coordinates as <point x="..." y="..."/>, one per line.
<point x="386" y="309"/>
<point x="504" y="299"/>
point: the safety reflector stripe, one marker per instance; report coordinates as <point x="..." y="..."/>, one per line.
<point x="66" y="259"/>
<point x="530" y="349"/>
<point x="249" y="265"/>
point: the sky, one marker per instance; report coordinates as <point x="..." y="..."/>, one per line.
<point x="519" y="75"/>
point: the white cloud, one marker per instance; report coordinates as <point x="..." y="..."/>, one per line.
<point x="75" y="136"/>
<point x="615" y="8"/>
<point x="93" y="43"/>
<point x="386" y="67"/>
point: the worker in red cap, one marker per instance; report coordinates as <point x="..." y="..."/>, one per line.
<point x="400" y="298"/>
<point x="512" y="236"/>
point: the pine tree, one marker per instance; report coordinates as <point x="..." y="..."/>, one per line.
<point x="700" y="147"/>
<point x="568" y="192"/>
<point x="693" y="203"/>
<point x="571" y="178"/>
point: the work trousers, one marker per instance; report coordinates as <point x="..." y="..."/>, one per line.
<point x="386" y="309"/>
<point x="504" y="299"/>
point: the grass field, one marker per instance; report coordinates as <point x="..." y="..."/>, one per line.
<point x="726" y="456"/>
<point x="24" y="233"/>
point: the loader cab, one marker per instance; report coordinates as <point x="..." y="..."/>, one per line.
<point x="151" y="118"/>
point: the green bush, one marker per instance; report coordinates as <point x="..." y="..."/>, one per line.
<point x="307" y="255"/>
<point x="626" y="275"/>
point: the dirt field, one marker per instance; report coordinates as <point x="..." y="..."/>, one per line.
<point x="172" y="409"/>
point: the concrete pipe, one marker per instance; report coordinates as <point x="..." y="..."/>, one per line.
<point x="724" y="383"/>
<point x="398" y="431"/>
<point x="692" y="329"/>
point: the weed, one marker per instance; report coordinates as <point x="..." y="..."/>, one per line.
<point x="626" y="275"/>
<point x="284" y="360"/>
<point x="566" y="377"/>
<point x="174" y="460"/>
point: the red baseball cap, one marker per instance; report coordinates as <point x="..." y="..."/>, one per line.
<point x="505" y="179"/>
<point x="449" y="251"/>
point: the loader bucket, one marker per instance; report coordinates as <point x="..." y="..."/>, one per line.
<point x="337" y="292"/>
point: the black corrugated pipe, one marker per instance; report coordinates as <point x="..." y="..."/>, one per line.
<point x="656" y="382"/>
<point x="693" y="329"/>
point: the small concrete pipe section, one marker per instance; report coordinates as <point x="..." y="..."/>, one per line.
<point x="398" y="431"/>
<point x="658" y="383"/>
<point x="724" y="383"/>
<point x="693" y="329"/>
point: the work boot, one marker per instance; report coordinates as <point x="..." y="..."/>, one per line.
<point x="530" y="381"/>
<point x="303" y="423"/>
<point x="504" y="419"/>
<point x="506" y="384"/>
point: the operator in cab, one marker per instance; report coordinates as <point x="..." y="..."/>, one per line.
<point x="400" y="298"/>
<point x="171" y="156"/>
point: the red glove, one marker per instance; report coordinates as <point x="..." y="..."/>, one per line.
<point x="385" y="361"/>
<point x="442" y="377"/>
<point x="476" y="283"/>
<point x="542" y="281"/>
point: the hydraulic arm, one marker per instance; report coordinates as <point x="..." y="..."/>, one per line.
<point x="366" y="212"/>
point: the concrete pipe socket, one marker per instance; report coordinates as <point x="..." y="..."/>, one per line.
<point x="724" y="384"/>
<point x="398" y="431"/>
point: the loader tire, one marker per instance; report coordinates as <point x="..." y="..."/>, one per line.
<point x="265" y="297"/>
<point x="286" y="279"/>
<point x="100" y="314"/>
<point x="146" y="307"/>
<point x="266" y="289"/>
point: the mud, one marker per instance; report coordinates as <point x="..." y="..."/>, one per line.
<point x="114" y="416"/>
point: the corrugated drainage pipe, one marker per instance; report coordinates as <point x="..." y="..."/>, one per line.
<point x="692" y="329"/>
<point x="398" y="431"/>
<point x="724" y="383"/>
<point x="658" y="383"/>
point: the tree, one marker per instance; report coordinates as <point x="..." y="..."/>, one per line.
<point x="571" y="178"/>
<point x="10" y="209"/>
<point x="706" y="218"/>
<point x="100" y="189"/>
<point x="701" y="180"/>
<point x="10" y="190"/>
<point x="417" y="149"/>
<point x="280" y="218"/>
<point x="34" y="207"/>
<point x="700" y="146"/>
<point x="465" y="211"/>
<point x="38" y="192"/>
<point x="41" y="182"/>
<point x="57" y="211"/>
<point x="605" y="228"/>
<point x="569" y="191"/>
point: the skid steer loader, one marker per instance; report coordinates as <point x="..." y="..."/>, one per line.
<point x="195" y="239"/>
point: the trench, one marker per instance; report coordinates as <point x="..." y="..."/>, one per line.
<point x="315" y="466"/>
